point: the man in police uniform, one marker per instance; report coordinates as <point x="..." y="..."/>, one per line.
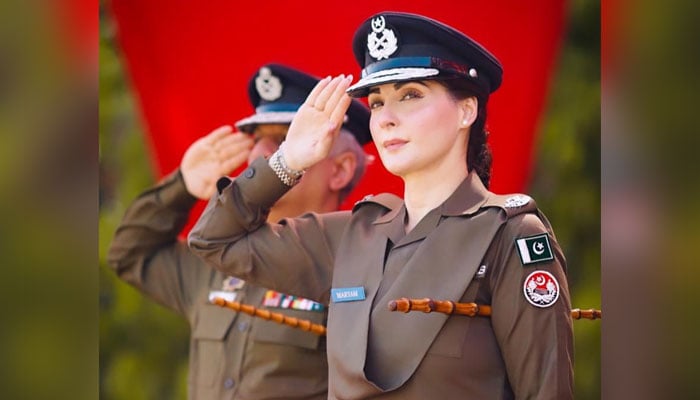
<point x="233" y="355"/>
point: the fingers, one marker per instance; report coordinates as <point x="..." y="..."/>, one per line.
<point x="325" y="100"/>
<point x="219" y="133"/>
<point x="326" y="94"/>
<point x="338" y="92"/>
<point x="339" y="101"/>
<point x="234" y="161"/>
<point x="233" y="144"/>
<point x="311" y="98"/>
<point x="322" y="101"/>
<point x="340" y="110"/>
<point x="233" y="150"/>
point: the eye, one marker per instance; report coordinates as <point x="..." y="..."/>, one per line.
<point x="411" y="94"/>
<point x="276" y="138"/>
<point x="375" y="104"/>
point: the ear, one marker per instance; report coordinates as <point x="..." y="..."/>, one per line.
<point x="344" y="165"/>
<point x="469" y="108"/>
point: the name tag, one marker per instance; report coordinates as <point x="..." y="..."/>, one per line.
<point x="348" y="294"/>
<point x="228" y="296"/>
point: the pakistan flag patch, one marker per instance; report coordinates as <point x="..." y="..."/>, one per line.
<point x="534" y="249"/>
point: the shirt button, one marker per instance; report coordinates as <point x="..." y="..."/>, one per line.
<point x="228" y="383"/>
<point x="249" y="173"/>
<point x="242" y="326"/>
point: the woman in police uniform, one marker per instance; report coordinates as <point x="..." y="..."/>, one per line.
<point x="449" y="239"/>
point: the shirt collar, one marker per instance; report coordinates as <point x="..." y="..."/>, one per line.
<point x="469" y="196"/>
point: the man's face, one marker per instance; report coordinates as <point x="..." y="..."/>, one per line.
<point x="268" y="138"/>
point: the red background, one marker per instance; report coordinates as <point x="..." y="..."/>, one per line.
<point x="189" y="63"/>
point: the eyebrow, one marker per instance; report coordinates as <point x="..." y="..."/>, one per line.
<point x="397" y="86"/>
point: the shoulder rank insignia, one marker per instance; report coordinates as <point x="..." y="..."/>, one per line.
<point x="541" y="289"/>
<point x="534" y="249"/>
<point x="518" y="200"/>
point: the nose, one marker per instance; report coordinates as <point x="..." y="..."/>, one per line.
<point x="263" y="147"/>
<point x="383" y="117"/>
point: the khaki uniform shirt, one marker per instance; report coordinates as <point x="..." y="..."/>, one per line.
<point x="232" y="356"/>
<point x="472" y="248"/>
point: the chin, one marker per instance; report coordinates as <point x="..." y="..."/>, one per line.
<point x="397" y="164"/>
<point x="395" y="168"/>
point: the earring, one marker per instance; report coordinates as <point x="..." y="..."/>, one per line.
<point x="464" y="122"/>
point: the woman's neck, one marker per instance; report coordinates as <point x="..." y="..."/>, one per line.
<point x="427" y="190"/>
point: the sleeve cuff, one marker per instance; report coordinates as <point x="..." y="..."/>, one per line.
<point x="258" y="184"/>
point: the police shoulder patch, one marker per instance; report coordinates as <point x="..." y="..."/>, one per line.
<point x="541" y="289"/>
<point x="534" y="249"/>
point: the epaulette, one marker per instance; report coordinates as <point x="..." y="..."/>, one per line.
<point x="512" y="204"/>
<point x="387" y="200"/>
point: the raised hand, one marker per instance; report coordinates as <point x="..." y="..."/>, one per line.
<point x="211" y="157"/>
<point x="317" y="123"/>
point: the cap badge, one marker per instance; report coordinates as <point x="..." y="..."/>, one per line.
<point x="541" y="289"/>
<point x="381" y="42"/>
<point x="268" y="86"/>
<point x="518" y="200"/>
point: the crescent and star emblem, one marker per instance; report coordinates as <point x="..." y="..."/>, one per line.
<point x="538" y="248"/>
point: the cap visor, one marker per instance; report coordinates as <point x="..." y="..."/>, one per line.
<point x="360" y="89"/>
<point x="280" y="117"/>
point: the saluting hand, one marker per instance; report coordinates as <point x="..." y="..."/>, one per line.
<point x="211" y="157"/>
<point x="317" y="123"/>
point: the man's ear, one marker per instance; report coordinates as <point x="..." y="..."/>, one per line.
<point x="344" y="165"/>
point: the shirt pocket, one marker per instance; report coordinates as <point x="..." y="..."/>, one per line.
<point x="450" y="341"/>
<point x="273" y="332"/>
<point x="209" y="336"/>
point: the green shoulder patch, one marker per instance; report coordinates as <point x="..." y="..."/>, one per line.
<point x="534" y="249"/>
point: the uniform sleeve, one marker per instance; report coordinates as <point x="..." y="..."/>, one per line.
<point x="536" y="341"/>
<point x="146" y="252"/>
<point x="293" y="256"/>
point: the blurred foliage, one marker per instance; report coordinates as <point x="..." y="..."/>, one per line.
<point x="658" y="86"/>
<point x="143" y="347"/>
<point x="566" y="179"/>
<point x="48" y="127"/>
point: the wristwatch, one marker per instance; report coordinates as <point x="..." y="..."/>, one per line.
<point x="288" y="176"/>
